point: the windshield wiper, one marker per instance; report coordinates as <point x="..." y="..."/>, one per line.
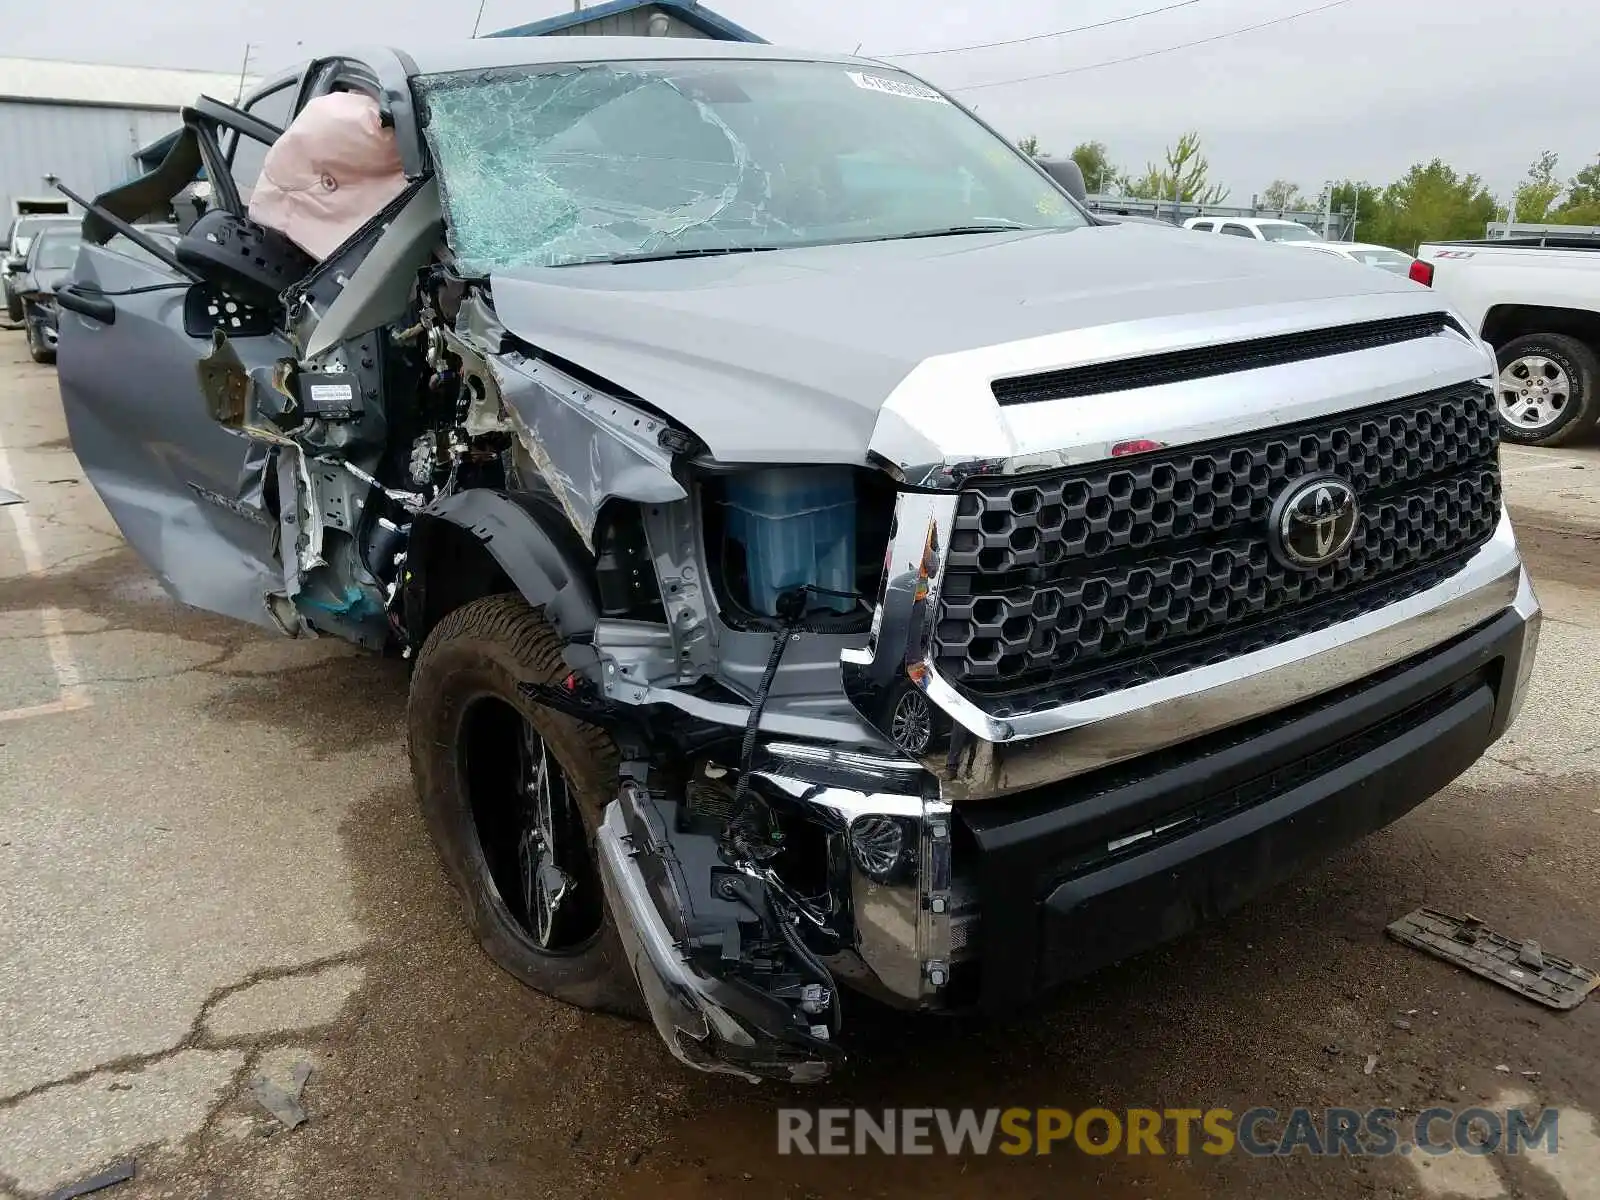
<point x="687" y="252"/>
<point x="954" y="230"/>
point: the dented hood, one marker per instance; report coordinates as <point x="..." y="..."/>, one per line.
<point x="787" y="356"/>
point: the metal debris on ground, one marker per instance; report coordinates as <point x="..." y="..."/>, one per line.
<point x="7" y="496"/>
<point x="284" y="1104"/>
<point x="117" y="1172"/>
<point x="1522" y="966"/>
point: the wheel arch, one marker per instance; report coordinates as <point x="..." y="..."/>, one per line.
<point x="1504" y="323"/>
<point x="481" y="542"/>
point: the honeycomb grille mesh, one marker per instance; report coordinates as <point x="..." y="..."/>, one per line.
<point x="1069" y="585"/>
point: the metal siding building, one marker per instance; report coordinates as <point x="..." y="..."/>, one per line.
<point x="82" y="122"/>
<point x="637" y="18"/>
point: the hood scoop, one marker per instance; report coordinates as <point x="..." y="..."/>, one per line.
<point x="1206" y="361"/>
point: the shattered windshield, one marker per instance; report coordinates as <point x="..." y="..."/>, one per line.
<point x="555" y="165"/>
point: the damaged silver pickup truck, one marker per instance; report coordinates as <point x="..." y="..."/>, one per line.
<point x="828" y="556"/>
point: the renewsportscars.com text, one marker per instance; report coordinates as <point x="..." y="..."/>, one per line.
<point x="1260" y="1132"/>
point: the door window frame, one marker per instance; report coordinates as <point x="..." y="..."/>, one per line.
<point x="271" y="89"/>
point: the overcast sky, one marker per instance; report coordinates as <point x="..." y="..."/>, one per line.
<point x="1361" y="90"/>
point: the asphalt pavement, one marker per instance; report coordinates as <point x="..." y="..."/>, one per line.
<point x="215" y="886"/>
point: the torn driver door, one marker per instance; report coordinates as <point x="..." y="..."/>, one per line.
<point x="195" y="501"/>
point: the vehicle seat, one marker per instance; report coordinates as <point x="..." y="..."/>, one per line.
<point x="331" y="172"/>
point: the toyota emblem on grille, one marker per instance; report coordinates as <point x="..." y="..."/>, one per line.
<point x="1314" y="522"/>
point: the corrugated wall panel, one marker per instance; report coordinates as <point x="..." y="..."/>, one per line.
<point x="90" y="149"/>
<point x="629" y="24"/>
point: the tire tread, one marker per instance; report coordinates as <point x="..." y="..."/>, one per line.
<point x="504" y="634"/>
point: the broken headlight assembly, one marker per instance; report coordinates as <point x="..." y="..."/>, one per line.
<point x="773" y="534"/>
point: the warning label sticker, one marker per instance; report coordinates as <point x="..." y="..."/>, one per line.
<point x="904" y="88"/>
<point x="332" y="393"/>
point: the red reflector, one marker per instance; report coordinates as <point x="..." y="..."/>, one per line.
<point x="1136" y="446"/>
<point x="1421" y="272"/>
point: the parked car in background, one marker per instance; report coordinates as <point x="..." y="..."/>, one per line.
<point x="49" y="262"/>
<point x="18" y="239"/>
<point x="1385" y="259"/>
<point x="1261" y="229"/>
<point x="810" y="580"/>
<point x="1537" y="302"/>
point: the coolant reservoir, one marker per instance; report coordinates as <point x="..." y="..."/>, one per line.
<point x="798" y="527"/>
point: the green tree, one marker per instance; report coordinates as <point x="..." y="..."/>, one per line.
<point x="1582" y="203"/>
<point x="1280" y="194"/>
<point x="1362" y="200"/>
<point x="1536" y="194"/>
<point x="1029" y="146"/>
<point x="1094" y="161"/>
<point x="1185" y="176"/>
<point x="1431" y="202"/>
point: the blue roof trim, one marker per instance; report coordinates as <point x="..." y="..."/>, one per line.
<point x="711" y="24"/>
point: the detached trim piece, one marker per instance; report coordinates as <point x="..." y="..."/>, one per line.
<point x="1202" y="362"/>
<point x="1523" y="967"/>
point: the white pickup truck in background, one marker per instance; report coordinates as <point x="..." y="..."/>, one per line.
<point x="1537" y="302"/>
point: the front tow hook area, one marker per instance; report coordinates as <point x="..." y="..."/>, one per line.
<point x="729" y="983"/>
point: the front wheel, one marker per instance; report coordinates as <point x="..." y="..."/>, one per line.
<point x="1546" y="392"/>
<point x="512" y="794"/>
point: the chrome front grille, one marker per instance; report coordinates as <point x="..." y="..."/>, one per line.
<point x="1073" y="584"/>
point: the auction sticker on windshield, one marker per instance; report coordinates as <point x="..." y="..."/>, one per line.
<point x="895" y="87"/>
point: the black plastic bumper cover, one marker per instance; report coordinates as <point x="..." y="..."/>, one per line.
<point x="1210" y="823"/>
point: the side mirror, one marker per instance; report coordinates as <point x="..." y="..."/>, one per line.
<point x="247" y="261"/>
<point x="1069" y="175"/>
<point x="16" y="265"/>
<point x="207" y="308"/>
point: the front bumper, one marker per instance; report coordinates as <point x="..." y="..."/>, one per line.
<point x="1145" y="854"/>
<point x="989" y="905"/>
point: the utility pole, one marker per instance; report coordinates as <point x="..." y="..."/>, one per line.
<point x="244" y="69"/>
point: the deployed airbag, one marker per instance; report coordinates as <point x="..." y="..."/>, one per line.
<point x="332" y="171"/>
